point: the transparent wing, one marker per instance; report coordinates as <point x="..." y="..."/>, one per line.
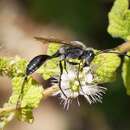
<point x="62" y="42"/>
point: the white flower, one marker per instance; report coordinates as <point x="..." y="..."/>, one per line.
<point x="74" y="85"/>
<point x="92" y="93"/>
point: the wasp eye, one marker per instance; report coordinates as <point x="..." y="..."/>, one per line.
<point x="89" y="56"/>
<point x="89" y="52"/>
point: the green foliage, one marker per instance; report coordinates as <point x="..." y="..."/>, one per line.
<point x="119" y="20"/>
<point x="52" y="48"/>
<point x="119" y="26"/>
<point x="12" y="66"/>
<point x="126" y="73"/>
<point x="32" y="93"/>
<point x="104" y="67"/>
<point x="31" y="96"/>
<point x="50" y="68"/>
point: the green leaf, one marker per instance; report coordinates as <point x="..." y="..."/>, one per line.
<point x="18" y="66"/>
<point x="52" y="48"/>
<point x="126" y="73"/>
<point x="50" y="68"/>
<point x="119" y="20"/>
<point x="119" y="26"/>
<point x="104" y="67"/>
<point x="25" y="114"/>
<point x="12" y="66"/>
<point x="3" y="66"/>
<point x="32" y="94"/>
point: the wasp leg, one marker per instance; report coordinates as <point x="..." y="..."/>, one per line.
<point x="61" y="72"/>
<point x="79" y="67"/>
<point x="78" y="101"/>
<point x="65" y="65"/>
<point x="78" y="75"/>
<point x="72" y="63"/>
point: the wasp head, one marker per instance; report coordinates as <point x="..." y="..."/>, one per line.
<point x="88" y="55"/>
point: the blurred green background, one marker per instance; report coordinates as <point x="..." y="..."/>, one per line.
<point x="88" y="20"/>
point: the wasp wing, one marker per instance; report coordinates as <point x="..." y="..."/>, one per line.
<point x="62" y="42"/>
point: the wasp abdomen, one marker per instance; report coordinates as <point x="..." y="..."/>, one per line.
<point x="35" y="63"/>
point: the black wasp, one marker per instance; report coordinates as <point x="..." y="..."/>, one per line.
<point x="73" y="50"/>
<point x="68" y="50"/>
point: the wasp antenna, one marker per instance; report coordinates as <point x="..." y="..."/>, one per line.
<point x="39" y="38"/>
<point x="104" y="51"/>
<point x="110" y="51"/>
<point x="51" y="40"/>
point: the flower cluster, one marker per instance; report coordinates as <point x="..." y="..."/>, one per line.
<point x="75" y="83"/>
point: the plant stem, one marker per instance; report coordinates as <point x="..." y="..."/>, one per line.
<point x="7" y="109"/>
<point x="49" y="91"/>
<point x="124" y="47"/>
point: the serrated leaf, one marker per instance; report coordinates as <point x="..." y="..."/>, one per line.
<point x="119" y="20"/>
<point x="126" y="73"/>
<point x="104" y="67"/>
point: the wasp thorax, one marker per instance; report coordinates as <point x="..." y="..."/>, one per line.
<point x="62" y="50"/>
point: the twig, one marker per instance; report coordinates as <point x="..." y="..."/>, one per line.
<point x="7" y="109"/>
<point x="49" y="91"/>
<point x="124" y="47"/>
